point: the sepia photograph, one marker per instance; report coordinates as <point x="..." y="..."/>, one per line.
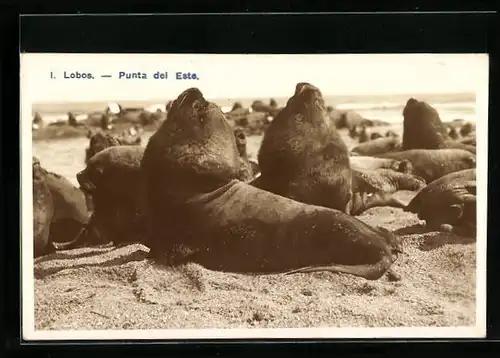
<point x="253" y="196"/>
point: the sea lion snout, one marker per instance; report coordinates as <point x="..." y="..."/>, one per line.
<point x="191" y="97"/>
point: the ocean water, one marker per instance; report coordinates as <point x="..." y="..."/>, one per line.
<point x="66" y="156"/>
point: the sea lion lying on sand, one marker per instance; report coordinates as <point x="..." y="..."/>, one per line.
<point x="199" y="212"/>
<point x="112" y="178"/>
<point x="391" y="181"/>
<point x="449" y="203"/>
<point x="432" y="164"/>
<point x="360" y="162"/>
<point x="43" y="210"/>
<point x="303" y="157"/>
<point x="378" y="146"/>
<point x="423" y="129"/>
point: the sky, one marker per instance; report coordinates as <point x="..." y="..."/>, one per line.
<point x="248" y="76"/>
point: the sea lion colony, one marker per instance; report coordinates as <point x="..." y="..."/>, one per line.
<point x="293" y="211"/>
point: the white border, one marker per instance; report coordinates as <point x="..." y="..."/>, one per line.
<point x="28" y="97"/>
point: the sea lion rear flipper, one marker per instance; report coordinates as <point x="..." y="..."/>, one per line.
<point x="370" y="272"/>
<point x="471" y="187"/>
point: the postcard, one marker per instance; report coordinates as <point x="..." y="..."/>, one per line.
<point x="203" y="196"/>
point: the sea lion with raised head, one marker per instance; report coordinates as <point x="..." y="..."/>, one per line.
<point x="423" y="129"/>
<point x="448" y="203"/>
<point x="199" y="212"/>
<point x="303" y="157"/>
<point x="432" y="164"/>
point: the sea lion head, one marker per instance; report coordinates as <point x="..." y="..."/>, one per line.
<point x="100" y="141"/>
<point x="197" y="144"/>
<point x="308" y="102"/>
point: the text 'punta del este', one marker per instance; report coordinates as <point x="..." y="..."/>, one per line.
<point x="122" y="75"/>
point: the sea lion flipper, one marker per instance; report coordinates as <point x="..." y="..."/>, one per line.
<point x="471" y="187"/>
<point x="370" y="272"/>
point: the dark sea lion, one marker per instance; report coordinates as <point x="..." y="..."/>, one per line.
<point x="378" y="146"/>
<point x="375" y="135"/>
<point x="363" y="136"/>
<point x="303" y="157"/>
<point x="466" y="129"/>
<point x="432" y="164"/>
<point x="43" y="210"/>
<point x="249" y="169"/>
<point x="448" y="203"/>
<point x="423" y="129"/>
<point x="112" y="178"/>
<point x="190" y="165"/>
<point x="391" y="133"/>
<point x="453" y="134"/>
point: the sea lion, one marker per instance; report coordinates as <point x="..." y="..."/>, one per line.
<point x="469" y="141"/>
<point x="375" y="135"/>
<point x="363" y="136"/>
<point x="390" y="181"/>
<point x="43" y="210"/>
<point x="391" y="133"/>
<point x="378" y="146"/>
<point x="423" y="129"/>
<point x="190" y="165"/>
<point x="448" y="203"/>
<point x="466" y="129"/>
<point x="249" y="169"/>
<point x="432" y="164"/>
<point x="453" y="134"/>
<point x="303" y="157"/>
<point x="112" y="178"/>
<point x="70" y="208"/>
<point x="359" y="162"/>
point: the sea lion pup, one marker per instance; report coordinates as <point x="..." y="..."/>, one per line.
<point x="363" y="136"/>
<point x="432" y="164"/>
<point x="249" y="169"/>
<point x="43" y="210"/>
<point x="224" y="224"/>
<point x="378" y="146"/>
<point x="112" y="178"/>
<point x="423" y="129"/>
<point x="449" y="203"/>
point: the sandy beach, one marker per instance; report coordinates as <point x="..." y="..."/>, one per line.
<point x="118" y="288"/>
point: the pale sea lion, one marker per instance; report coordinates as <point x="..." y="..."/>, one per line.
<point x="190" y="165"/>
<point x="448" y="203"/>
